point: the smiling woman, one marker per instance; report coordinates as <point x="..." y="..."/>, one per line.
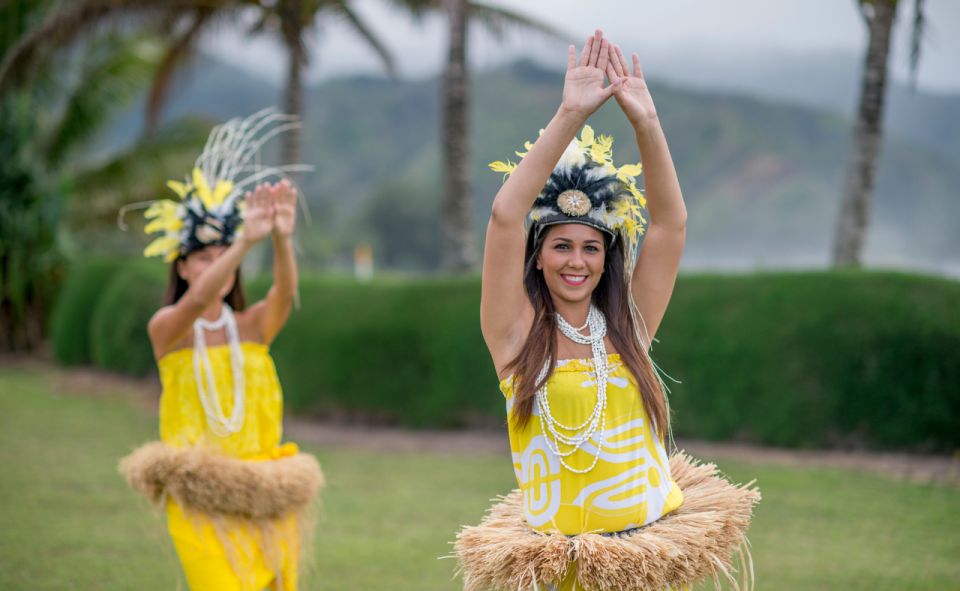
<point x="588" y="415"/>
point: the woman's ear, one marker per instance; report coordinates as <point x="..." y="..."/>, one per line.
<point x="180" y="270"/>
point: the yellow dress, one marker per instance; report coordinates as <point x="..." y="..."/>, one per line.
<point x="629" y="487"/>
<point x="229" y="554"/>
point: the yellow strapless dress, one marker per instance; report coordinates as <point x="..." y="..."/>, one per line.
<point x="629" y="487"/>
<point x="229" y="554"/>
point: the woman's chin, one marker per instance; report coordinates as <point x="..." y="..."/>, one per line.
<point x="571" y="294"/>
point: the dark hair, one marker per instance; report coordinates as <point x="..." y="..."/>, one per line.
<point x="612" y="297"/>
<point x="177" y="286"/>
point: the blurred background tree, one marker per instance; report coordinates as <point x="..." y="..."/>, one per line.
<point x="851" y="227"/>
<point x="294" y="23"/>
<point x="458" y="242"/>
<point x="46" y="126"/>
<point x="185" y="23"/>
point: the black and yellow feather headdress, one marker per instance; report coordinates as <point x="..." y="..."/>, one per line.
<point x="586" y="187"/>
<point x="210" y="206"/>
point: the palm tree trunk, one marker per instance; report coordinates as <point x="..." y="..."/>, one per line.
<point x="851" y="226"/>
<point x="459" y="247"/>
<point x="291" y="150"/>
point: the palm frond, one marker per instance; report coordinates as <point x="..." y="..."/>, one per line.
<point x="113" y="72"/>
<point x="178" y="50"/>
<point x="497" y="20"/>
<point x="137" y="173"/>
<point x="81" y="19"/>
<point x="361" y="28"/>
<point x="18" y="17"/>
<point x="417" y="9"/>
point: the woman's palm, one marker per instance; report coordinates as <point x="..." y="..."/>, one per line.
<point x="257" y="215"/>
<point x="583" y="89"/>
<point x="285" y="208"/>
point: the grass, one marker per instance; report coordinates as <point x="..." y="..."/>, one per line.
<point x="67" y="521"/>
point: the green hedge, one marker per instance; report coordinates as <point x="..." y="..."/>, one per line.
<point x="407" y="352"/>
<point x="814" y="359"/>
<point x="819" y="359"/>
<point x="70" y="320"/>
<point x="118" y="327"/>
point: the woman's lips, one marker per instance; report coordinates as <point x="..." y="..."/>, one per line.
<point x="574" y="279"/>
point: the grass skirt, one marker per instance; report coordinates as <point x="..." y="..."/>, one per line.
<point x="237" y="524"/>
<point x="696" y="542"/>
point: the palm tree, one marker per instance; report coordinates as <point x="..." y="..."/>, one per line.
<point x="851" y="228"/>
<point x="185" y="22"/>
<point x="41" y="129"/>
<point x="458" y="242"/>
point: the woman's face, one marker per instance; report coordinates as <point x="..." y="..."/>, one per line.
<point x="195" y="263"/>
<point x="571" y="259"/>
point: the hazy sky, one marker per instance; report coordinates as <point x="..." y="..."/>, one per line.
<point x="652" y="28"/>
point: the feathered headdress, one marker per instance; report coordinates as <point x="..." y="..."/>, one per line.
<point x="210" y="208"/>
<point x="587" y="188"/>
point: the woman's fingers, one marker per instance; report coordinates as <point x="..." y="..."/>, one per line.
<point x="604" y="58"/>
<point x="611" y="88"/>
<point x="612" y="74"/>
<point x="595" y="48"/>
<point x="264" y="200"/>
<point x="283" y="193"/>
<point x="613" y="62"/>
<point x="571" y="57"/>
<point x="585" y="54"/>
<point x="637" y="70"/>
<point x="622" y="63"/>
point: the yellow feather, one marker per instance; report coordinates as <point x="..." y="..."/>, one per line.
<point x="202" y="188"/>
<point x="597" y="154"/>
<point x="222" y="190"/>
<point x="505" y="167"/>
<point x="179" y="188"/>
<point x="586" y="136"/>
<point x="527" y="146"/>
<point x="162" y="246"/>
<point x="162" y="207"/>
<point x="164" y="223"/>
<point x="629" y="170"/>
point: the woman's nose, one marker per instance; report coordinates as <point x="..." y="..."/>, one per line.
<point x="576" y="259"/>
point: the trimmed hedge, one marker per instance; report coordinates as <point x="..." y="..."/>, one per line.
<point x="814" y="359"/>
<point x="70" y="320"/>
<point x="118" y="327"/>
<point x="825" y="359"/>
<point x="407" y="352"/>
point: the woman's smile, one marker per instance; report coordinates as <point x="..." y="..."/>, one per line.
<point x="574" y="280"/>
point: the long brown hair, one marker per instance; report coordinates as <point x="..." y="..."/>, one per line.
<point x="612" y="297"/>
<point x="177" y="286"/>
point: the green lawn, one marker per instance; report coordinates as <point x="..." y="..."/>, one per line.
<point x="67" y="521"/>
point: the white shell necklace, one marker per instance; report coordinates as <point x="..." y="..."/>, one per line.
<point x="221" y="425"/>
<point x="574" y="436"/>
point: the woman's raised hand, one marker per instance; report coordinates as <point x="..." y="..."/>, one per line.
<point x="284" y="208"/>
<point x="583" y="89"/>
<point x="632" y="92"/>
<point x="258" y="215"/>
